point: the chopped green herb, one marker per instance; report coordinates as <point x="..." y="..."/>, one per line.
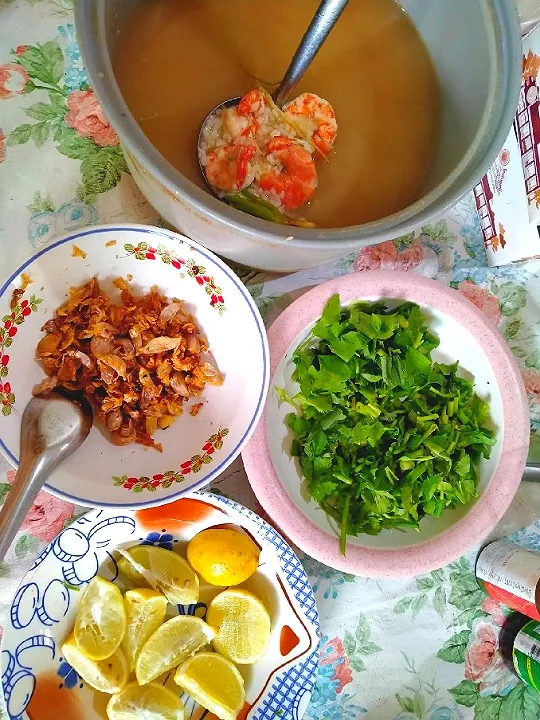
<point x="384" y="435"/>
<point x="69" y="586"/>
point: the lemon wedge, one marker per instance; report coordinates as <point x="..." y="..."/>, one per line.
<point x="100" y="622"/>
<point x="214" y="682"/>
<point x="171" y="644"/>
<point x="163" y="570"/>
<point x="150" y="702"/>
<point x="145" y="611"/>
<point x="242" y="624"/>
<point x="107" y="676"/>
<point x="223" y="556"/>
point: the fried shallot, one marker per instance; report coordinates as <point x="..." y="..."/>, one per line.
<point x="137" y="362"/>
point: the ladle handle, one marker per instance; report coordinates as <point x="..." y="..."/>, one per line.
<point x="29" y="479"/>
<point x="531" y="473"/>
<point x="323" y="21"/>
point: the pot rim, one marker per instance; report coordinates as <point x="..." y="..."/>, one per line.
<point x="504" y="40"/>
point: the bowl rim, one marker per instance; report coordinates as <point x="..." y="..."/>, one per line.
<point x="216" y="261"/>
<point x="492" y="503"/>
<point x="505" y="47"/>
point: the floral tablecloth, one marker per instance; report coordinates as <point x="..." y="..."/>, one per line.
<point x="420" y="648"/>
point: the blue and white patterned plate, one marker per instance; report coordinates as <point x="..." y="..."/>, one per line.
<point x="35" y="676"/>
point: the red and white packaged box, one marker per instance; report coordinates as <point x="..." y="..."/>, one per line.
<point x="527" y="123"/>
<point x="508" y="196"/>
<point x="501" y="201"/>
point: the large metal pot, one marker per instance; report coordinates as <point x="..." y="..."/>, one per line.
<point x="476" y="49"/>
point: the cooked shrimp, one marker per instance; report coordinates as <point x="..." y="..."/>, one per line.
<point x="292" y="177"/>
<point x="316" y="117"/>
<point x="243" y="121"/>
<point x="253" y="103"/>
<point x="238" y="125"/>
<point x="228" y="167"/>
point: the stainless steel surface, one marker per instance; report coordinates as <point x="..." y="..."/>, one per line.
<point x="52" y="428"/>
<point x="531" y="472"/>
<point x="323" y="21"/>
<point x="319" y="28"/>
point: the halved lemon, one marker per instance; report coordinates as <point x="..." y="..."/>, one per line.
<point x="171" y="644"/>
<point x="214" y="682"/>
<point x="100" y="622"/>
<point x="108" y="676"/>
<point x="223" y="556"/>
<point x="145" y="611"/>
<point x="163" y="570"/>
<point x="150" y="702"/>
<point x="242" y="624"/>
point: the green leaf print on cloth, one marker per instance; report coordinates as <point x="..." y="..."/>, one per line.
<point x="359" y="645"/>
<point x="521" y="704"/>
<point x="489" y="687"/>
<point x="421" y="699"/>
<point x="454" y="648"/>
<point x="71" y="116"/>
<point x="432" y="589"/>
<point x="26" y="544"/>
<point x="466" y="693"/>
<point x="512" y="297"/>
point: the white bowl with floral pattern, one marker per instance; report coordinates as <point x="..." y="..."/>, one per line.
<point x="195" y="449"/>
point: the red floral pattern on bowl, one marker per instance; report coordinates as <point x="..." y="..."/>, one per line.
<point x="8" y="330"/>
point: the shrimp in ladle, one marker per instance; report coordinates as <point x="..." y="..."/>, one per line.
<point x="315" y="116"/>
<point x="228" y="167"/>
<point x="292" y="179"/>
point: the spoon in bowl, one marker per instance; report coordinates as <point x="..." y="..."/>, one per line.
<point x="319" y="28"/>
<point x="52" y="428"/>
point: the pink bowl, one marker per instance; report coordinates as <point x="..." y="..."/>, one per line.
<point x="466" y="335"/>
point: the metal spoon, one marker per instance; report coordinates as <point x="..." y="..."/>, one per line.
<point x="52" y="428"/>
<point x="323" y="21"/>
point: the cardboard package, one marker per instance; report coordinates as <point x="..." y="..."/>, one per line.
<point x="508" y="196"/>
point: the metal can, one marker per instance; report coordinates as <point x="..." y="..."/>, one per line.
<point x="526" y="654"/>
<point x="511" y="575"/>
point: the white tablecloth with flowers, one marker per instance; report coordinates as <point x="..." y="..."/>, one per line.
<point x="423" y="648"/>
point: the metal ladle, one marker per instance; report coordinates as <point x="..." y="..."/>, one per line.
<point x="323" y="21"/>
<point x="52" y="428"/>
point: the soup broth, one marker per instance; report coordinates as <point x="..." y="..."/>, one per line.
<point x="177" y="59"/>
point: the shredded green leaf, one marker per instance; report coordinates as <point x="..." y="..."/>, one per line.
<point x="69" y="586"/>
<point x="384" y="435"/>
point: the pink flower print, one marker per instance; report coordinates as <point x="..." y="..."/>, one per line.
<point x="376" y="257"/>
<point x="532" y="386"/>
<point x="495" y="609"/>
<point x="411" y="257"/>
<point x="483" y="299"/>
<point x="13" y="79"/>
<point x="333" y="653"/>
<point x="86" y="117"/>
<point x="386" y="257"/>
<point x="47" y="515"/>
<point x="483" y="662"/>
<point x="481" y="653"/>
